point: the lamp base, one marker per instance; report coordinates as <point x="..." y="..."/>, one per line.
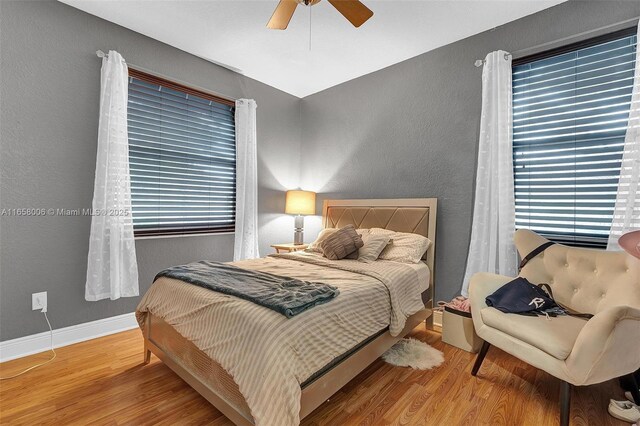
<point x="298" y="235"/>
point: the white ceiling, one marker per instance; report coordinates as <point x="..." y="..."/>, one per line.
<point x="233" y="32"/>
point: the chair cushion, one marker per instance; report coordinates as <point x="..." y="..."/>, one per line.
<point x="555" y="336"/>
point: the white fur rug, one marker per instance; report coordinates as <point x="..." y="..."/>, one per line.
<point x="413" y="353"/>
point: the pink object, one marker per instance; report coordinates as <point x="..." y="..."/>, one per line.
<point x="630" y="242"/>
<point x="466" y="305"/>
<point x="459" y="303"/>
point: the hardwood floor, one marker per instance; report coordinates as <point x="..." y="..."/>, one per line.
<point x="102" y="382"/>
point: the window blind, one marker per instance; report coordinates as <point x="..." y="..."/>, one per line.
<point x="570" y="113"/>
<point x="182" y="159"/>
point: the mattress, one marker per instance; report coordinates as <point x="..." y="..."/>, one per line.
<point x="424" y="275"/>
<point x="270" y="356"/>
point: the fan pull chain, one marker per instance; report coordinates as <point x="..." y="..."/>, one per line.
<point x="310" y="28"/>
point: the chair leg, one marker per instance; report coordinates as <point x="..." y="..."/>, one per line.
<point x="565" y="403"/>
<point x="483" y="352"/>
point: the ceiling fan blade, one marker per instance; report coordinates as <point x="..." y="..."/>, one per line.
<point x="282" y="15"/>
<point x="356" y="12"/>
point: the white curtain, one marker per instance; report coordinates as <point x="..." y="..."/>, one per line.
<point x="491" y="248"/>
<point x="112" y="269"/>
<point x="246" y="236"/>
<point x="626" y="216"/>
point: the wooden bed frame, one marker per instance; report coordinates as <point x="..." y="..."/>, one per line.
<point x="403" y="215"/>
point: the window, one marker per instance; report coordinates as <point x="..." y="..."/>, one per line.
<point x="182" y="158"/>
<point x="570" y="112"/>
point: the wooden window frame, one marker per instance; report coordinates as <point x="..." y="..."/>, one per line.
<point x="153" y="79"/>
<point x="576" y="46"/>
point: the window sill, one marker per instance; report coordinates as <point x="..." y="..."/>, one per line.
<point x="156" y="237"/>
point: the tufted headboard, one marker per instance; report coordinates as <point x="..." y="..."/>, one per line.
<point x="586" y="280"/>
<point x="413" y="215"/>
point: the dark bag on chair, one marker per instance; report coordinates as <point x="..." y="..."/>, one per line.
<point x="521" y="297"/>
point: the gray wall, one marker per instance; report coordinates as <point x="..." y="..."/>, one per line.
<point x="406" y="131"/>
<point x="411" y="130"/>
<point x="49" y="102"/>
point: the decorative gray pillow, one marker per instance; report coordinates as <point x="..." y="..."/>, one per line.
<point x="314" y="247"/>
<point x="341" y="243"/>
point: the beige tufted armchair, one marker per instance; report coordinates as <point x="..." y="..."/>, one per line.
<point x="577" y="351"/>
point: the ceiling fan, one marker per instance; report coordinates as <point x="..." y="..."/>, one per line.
<point x="356" y="12"/>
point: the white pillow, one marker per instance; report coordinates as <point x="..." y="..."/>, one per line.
<point x="380" y="231"/>
<point x="373" y="246"/>
<point x="406" y="248"/>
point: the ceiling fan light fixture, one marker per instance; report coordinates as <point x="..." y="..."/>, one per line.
<point x="355" y="12"/>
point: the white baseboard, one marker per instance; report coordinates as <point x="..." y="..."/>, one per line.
<point x="35" y="343"/>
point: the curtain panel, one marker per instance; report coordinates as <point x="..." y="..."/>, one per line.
<point x="626" y="213"/>
<point x="246" y="231"/>
<point x="112" y="269"/>
<point x="491" y="248"/>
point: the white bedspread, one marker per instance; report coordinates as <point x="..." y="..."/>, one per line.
<point x="268" y="355"/>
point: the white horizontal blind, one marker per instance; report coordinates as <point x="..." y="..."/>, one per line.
<point x="570" y="114"/>
<point x="182" y="158"/>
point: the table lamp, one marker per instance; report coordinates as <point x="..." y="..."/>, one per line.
<point x="630" y="242"/>
<point x="300" y="203"/>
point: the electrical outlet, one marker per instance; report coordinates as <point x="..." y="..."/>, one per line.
<point x="39" y="301"/>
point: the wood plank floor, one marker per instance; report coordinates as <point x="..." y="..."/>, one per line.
<point x="102" y="382"/>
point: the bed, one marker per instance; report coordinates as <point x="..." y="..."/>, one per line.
<point x="214" y="342"/>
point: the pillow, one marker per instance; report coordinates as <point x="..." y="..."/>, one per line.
<point x="341" y="243"/>
<point x="352" y="256"/>
<point x="373" y="246"/>
<point x="406" y="248"/>
<point x="315" y="246"/>
<point x="363" y="231"/>
<point x="380" y="231"/>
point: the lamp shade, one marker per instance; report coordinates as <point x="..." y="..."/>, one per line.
<point x="300" y="202"/>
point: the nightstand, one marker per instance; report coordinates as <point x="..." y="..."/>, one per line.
<point x="289" y="247"/>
